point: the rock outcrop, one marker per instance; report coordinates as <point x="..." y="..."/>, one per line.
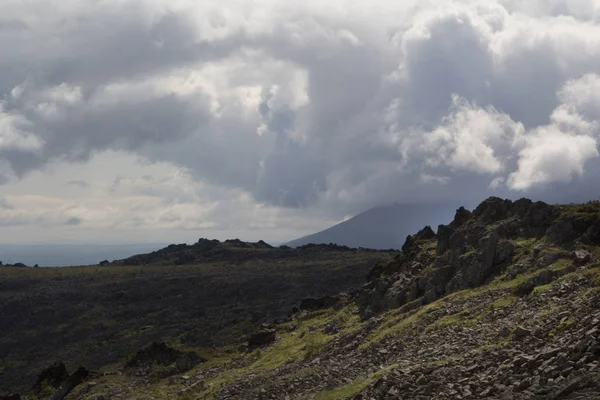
<point x="475" y="248"/>
<point x="51" y="378"/>
<point x="70" y="383"/>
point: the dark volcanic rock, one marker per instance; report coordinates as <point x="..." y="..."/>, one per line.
<point x="53" y="377"/>
<point x="444" y="234"/>
<point x="70" y="383"/>
<point x="462" y="215"/>
<point x="423" y="235"/>
<point x="492" y="210"/>
<point x="475" y="248"/>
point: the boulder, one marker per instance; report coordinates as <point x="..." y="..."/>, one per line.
<point x="581" y="256"/>
<point x="547" y="257"/>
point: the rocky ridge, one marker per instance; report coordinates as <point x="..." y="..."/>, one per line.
<point x="474" y="249"/>
<point x="232" y="250"/>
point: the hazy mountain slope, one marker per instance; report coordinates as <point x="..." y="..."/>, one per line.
<point x="381" y="227"/>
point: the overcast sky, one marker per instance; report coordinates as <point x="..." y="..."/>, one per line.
<point x="169" y="120"/>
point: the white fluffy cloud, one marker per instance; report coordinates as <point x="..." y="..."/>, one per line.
<point x="311" y="108"/>
<point x="552" y="156"/>
<point x="472" y="139"/>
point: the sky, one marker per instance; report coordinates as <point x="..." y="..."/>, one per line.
<point x="129" y="121"/>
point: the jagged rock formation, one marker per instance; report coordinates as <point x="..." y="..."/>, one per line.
<point x="55" y="380"/>
<point x="70" y="383"/>
<point x="51" y="377"/>
<point x="473" y="249"/>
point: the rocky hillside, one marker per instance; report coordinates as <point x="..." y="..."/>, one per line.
<point x="502" y="303"/>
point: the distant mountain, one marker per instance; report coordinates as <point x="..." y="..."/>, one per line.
<point x="381" y="227"/>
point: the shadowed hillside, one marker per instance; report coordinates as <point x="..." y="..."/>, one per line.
<point x="219" y="292"/>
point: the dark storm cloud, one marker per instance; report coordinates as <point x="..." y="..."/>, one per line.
<point x="344" y="107"/>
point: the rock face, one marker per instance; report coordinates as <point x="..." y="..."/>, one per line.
<point x="473" y="249"/>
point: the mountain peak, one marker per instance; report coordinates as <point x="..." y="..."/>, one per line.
<point x="383" y="227"/>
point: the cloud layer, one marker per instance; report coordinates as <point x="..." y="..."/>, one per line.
<point x="332" y="107"/>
